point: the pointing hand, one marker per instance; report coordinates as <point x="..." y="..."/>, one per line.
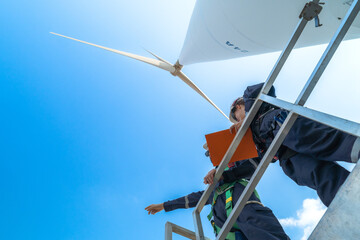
<point x="154" y="208"/>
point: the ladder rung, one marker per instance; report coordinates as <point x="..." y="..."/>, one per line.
<point x="341" y="124"/>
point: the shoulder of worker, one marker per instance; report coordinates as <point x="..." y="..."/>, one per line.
<point x="251" y="92"/>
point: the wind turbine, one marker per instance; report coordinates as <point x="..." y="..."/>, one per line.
<point x="242" y="33"/>
<point x="175" y="69"/>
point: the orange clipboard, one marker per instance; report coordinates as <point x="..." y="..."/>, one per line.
<point x="219" y="142"/>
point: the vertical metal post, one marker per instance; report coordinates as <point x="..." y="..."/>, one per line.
<point x="168" y="231"/>
<point x="199" y="232"/>
<point x="284" y="55"/>
<point x="307" y="90"/>
<point x="329" y="53"/>
<point x="247" y="121"/>
<point x="269" y="155"/>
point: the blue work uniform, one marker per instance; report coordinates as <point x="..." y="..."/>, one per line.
<point x="310" y="149"/>
<point x="256" y="222"/>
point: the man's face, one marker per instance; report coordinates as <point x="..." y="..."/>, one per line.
<point x="239" y="112"/>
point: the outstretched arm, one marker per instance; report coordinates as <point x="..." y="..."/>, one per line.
<point x="187" y="201"/>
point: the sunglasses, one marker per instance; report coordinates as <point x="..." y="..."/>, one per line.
<point x="233" y="110"/>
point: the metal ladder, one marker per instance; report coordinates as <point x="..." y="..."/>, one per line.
<point x="327" y="228"/>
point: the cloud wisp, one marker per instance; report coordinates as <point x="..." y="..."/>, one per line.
<point x="307" y="217"/>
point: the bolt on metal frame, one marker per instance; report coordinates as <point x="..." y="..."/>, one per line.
<point x="295" y="110"/>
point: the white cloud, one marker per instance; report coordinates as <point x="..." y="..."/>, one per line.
<point x="307" y="217"/>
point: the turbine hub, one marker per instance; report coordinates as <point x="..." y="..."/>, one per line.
<point x="177" y="67"/>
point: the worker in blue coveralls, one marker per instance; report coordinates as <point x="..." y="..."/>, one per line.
<point x="310" y="149"/>
<point x="255" y="222"/>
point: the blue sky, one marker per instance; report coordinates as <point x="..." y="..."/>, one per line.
<point x="91" y="138"/>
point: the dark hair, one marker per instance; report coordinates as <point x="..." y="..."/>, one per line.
<point x="238" y="101"/>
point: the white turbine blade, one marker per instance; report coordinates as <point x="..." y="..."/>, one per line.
<point x="160" y="63"/>
<point x="183" y="77"/>
<point x="161" y="59"/>
<point x="157" y="63"/>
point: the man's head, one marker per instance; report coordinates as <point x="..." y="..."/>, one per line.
<point x="237" y="110"/>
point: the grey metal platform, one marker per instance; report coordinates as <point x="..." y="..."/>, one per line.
<point x="341" y="220"/>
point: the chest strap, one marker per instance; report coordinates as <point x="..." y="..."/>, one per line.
<point x="228" y="188"/>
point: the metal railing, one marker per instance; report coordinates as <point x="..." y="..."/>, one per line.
<point x="295" y="110"/>
<point x="173" y="228"/>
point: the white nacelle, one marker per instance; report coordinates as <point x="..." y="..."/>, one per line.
<point x="224" y="29"/>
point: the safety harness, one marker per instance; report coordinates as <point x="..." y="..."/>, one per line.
<point x="228" y="189"/>
<point x="260" y="142"/>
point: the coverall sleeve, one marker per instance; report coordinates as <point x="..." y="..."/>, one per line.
<point x="243" y="169"/>
<point x="188" y="201"/>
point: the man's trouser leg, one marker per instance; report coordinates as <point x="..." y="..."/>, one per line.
<point x="322" y="142"/>
<point x="323" y="176"/>
<point x="257" y="221"/>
